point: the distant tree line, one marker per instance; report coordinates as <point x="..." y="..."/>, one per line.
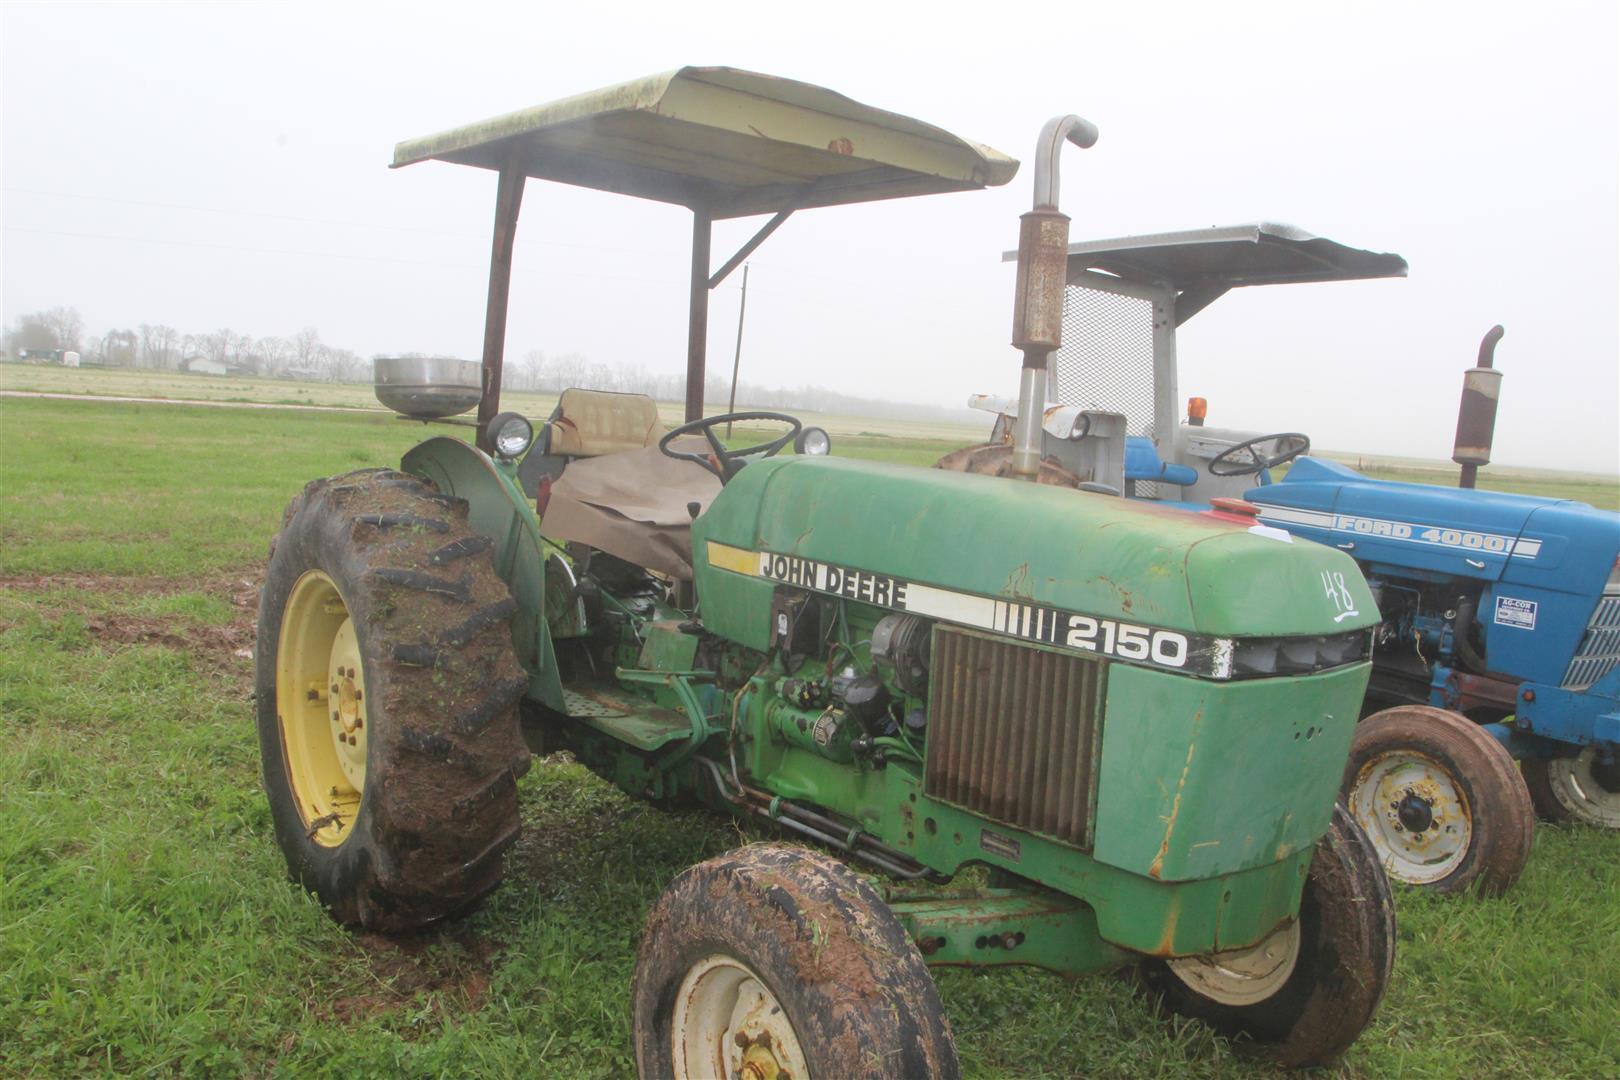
<point x="540" y="372"/>
<point x="163" y="348"/>
<point x="305" y="356"/>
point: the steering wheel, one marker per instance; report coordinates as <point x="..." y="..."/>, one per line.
<point x="1289" y="445"/>
<point x="724" y="462"/>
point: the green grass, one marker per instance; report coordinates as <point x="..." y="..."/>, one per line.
<point x="146" y="925"/>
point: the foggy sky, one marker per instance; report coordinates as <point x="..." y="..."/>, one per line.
<point x="224" y="165"/>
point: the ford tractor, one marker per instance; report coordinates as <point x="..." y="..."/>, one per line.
<point x="1131" y="725"/>
<point x="1498" y="634"/>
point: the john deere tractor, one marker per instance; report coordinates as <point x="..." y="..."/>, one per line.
<point x="1134" y="721"/>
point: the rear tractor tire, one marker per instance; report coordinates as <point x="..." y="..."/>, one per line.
<point x="1305" y="993"/>
<point x="1442" y="801"/>
<point x="775" y="961"/>
<point x="1582" y="789"/>
<point x="387" y="690"/>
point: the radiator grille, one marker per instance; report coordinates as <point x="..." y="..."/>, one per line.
<point x="1012" y="732"/>
<point x="1599" y="652"/>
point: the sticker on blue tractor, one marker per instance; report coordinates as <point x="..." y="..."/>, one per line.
<point x="1514" y="612"/>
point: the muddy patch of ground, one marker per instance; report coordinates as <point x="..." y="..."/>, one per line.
<point x="448" y="971"/>
<point x="226" y="649"/>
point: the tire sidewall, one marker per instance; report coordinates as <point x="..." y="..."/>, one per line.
<point x="317" y="538"/>
<point x="758" y="916"/>
<point x="1346" y="956"/>
<point x="1495" y="796"/>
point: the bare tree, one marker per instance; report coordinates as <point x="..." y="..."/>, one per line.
<point x="65" y="324"/>
<point x="306" y="348"/>
<point x="534" y="369"/>
<point x="120" y="347"/>
<point x="274" y="354"/>
<point x="159" y="345"/>
<point x="58" y="328"/>
<point x="340" y="365"/>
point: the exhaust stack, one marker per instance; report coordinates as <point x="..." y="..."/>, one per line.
<point x="1476" y="416"/>
<point x="1043" y="262"/>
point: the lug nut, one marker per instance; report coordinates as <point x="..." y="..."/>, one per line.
<point x="336" y="716"/>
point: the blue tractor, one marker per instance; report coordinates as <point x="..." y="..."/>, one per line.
<point x="1496" y="686"/>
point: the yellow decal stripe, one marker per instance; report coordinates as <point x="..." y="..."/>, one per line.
<point x="736" y="560"/>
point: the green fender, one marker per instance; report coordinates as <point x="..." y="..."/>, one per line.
<point x="498" y="509"/>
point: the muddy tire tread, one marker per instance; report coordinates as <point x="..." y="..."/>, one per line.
<point x="837" y="959"/>
<point x="440" y="803"/>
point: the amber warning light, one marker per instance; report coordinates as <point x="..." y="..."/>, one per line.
<point x="1197" y="409"/>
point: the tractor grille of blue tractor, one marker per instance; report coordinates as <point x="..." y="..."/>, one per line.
<point x="1013" y="732"/>
<point x="1599" y="653"/>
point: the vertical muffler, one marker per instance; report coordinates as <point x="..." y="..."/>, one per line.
<point x="1476" y="415"/>
<point x="1043" y="262"/>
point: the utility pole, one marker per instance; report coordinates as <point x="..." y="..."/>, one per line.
<point x="736" y="359"/>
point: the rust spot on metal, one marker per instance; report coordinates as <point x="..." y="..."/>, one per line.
<point x="1157" y="867"/>
<point x="1167" y="940"/>
<point x="842" y="147"/>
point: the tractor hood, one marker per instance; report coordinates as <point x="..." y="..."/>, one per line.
<point x="1017" y="558"/>
<point x="1466" y="533"/>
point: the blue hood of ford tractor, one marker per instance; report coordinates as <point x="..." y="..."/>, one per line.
<point x="1544" y="561"/>
<point x="1453" y="532"/>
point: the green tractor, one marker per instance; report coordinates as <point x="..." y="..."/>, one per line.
<point x="1131" y="723"/>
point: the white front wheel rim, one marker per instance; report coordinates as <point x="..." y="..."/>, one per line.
<point x="1241" y="977"/>
<point x="1415" y="814"/>
<point x="727" y="1023"/>
<point x="1576" y="786"/>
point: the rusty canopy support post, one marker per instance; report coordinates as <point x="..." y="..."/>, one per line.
<point x="736" y="357"/>
<point x="697" y="329"/>
<point x="508" y="198"/>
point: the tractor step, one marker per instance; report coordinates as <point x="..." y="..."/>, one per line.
<point x="644" y="726"/>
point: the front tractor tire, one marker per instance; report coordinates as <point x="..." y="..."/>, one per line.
<point x="775" y="961"/>
<point x="1307" y="991"/>
<point x="1442" y="801"/>
<point x="387" y="689"/>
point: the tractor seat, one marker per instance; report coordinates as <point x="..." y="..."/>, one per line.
<point x="586" y="424"/>
<point x="635" y="505"/>
<point x="590" y="423"/>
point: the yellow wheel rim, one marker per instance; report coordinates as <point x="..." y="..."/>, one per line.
<point x="321" y="705"/>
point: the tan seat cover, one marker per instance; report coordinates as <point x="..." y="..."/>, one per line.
<point x="633" y="505"/>
<point x="595" y="422"/>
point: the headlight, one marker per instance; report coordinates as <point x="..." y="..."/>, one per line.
<point x="813" y="440"/>
<point x="510" y="434"/>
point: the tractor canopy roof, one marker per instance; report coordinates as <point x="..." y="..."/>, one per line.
<point x="729" y="142"/>
<point x="1262" y="253"/>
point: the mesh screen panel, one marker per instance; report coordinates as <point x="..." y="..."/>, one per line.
<point x="1106" y="361"/>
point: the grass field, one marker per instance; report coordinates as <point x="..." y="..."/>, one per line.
<point x="146" y="924"/>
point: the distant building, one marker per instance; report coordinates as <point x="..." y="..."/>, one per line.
<point x="40" y="356"/>
<point x="201" y="365"/>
